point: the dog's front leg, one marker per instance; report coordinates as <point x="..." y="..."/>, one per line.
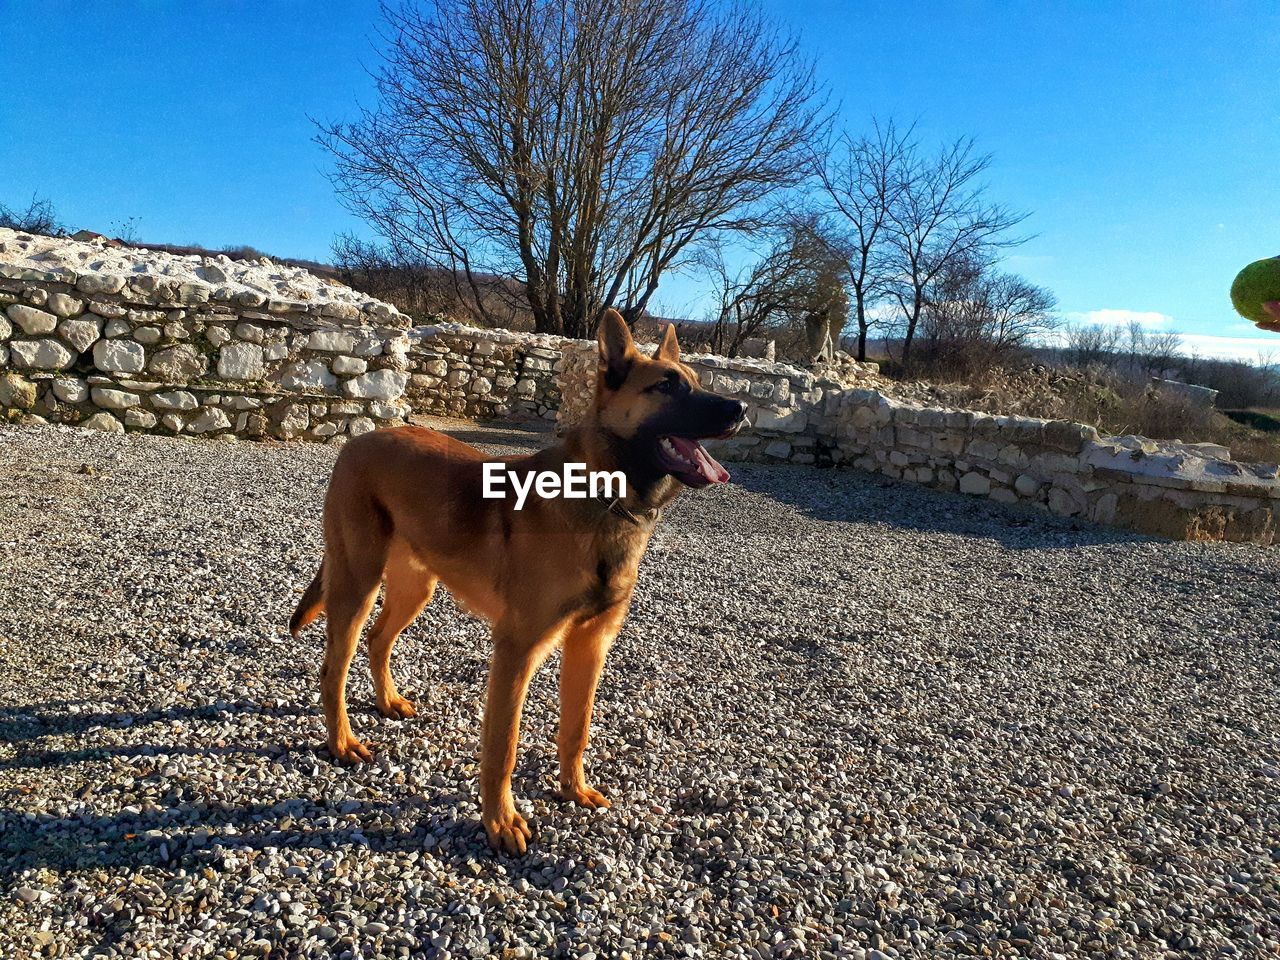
<point x="516" y="657"/>
<point x="585" y="648"/>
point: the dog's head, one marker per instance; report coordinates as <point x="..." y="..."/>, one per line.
<point x="658" y="408"/>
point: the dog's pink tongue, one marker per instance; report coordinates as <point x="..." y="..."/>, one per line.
<point x="707" y="465"/>
<point x="710" y="467"/>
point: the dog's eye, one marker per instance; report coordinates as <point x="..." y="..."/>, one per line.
<point x="670" y="385"/>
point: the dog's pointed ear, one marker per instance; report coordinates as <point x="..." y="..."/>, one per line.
<point x="669" y="348"/>
<point x="617" y="349"/>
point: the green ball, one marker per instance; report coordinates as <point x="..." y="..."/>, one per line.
<point x="1255" y="285"/>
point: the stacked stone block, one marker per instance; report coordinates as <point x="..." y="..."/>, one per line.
<point x="464" y="372"/>
<point x="115" y="353"/>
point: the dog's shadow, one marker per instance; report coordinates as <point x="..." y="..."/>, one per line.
<point x="62" y="717"/>
<point x="187" y="836"/>
<point x="185" y="831"/>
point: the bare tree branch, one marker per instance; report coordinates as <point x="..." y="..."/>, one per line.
<point x="940" y="215"/>
<point x="577" y="149"/>
<point x="862" y="178"/>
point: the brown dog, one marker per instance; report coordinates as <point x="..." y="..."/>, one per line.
<point x="405" y="509"/>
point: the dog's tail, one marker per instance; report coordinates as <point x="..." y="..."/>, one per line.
<point x="310" y="606"/>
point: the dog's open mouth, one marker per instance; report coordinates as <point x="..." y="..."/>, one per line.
<point x="688" y="461"/>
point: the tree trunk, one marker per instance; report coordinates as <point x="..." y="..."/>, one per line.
<point x="576" y="317"/>
<point x="906" y="341"/>
<point x="913" y="319"/>
<point x="862" y="328"/>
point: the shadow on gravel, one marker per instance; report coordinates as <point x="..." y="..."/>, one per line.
<point x="851" y="496"/>
<point x="44" y="759"/>
<point x="184" y="833"/>
<point x="54" y="718"/>
<point x="194" y="836"/>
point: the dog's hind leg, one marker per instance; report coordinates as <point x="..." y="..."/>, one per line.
<point x="350" y="588"/>
<point x="409" y="588"/>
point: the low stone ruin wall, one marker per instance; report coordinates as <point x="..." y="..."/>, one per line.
<point x="113" y="337"/>
<point x="104" y="352"/>
<point x="125" y="360"/>
<point x="1176" y="490"/>
<point x="460" y="371"/>
<point x="183" y="356"/>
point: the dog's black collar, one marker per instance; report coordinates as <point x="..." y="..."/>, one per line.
<point x="644" y="517"/>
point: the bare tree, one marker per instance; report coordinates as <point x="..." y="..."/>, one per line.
<point x="1147" y="352"/>
<point x="792" y="288"/>
<point x="1091" y="344"/>
<point x="38" y="217"/>
<point x="862" y="178"/>
<point x="940" y="214"/>
<point x="974" y="313"/>
<point x="577" y="149"/>
<point x="1135" y="343"/>
<point x="1163" y="351"/>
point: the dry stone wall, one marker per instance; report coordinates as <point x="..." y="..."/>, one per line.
<point x="193" y="351"/>
<point x="112" y="361"/>
<point x="1177" y="490"/>
<point x="205" y="347"/>
<point x="460" y="371"/>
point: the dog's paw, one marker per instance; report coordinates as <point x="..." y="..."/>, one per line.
<point x="397" y="709"/>
<point x="585" y="797"/>
<point x="508" y="831"/>
<point x="350" y="750"/>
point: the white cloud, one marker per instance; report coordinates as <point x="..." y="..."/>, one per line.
<point x="1232" y="348"/>
<point x="1251" y="348"/>
<point x="1149" y="319"/>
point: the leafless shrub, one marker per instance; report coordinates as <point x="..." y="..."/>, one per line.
<point x="38" y="216"/>
<point x="975" y="316"/>
<point x="126" y="230"/>
<point x="242" y="251"/>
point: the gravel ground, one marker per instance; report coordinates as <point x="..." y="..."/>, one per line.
<point x="845" y="718"/>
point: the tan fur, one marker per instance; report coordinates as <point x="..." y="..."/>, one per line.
<point x="404" y="509"/>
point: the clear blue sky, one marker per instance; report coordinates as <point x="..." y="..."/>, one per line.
<point x="1143" y="137"/>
